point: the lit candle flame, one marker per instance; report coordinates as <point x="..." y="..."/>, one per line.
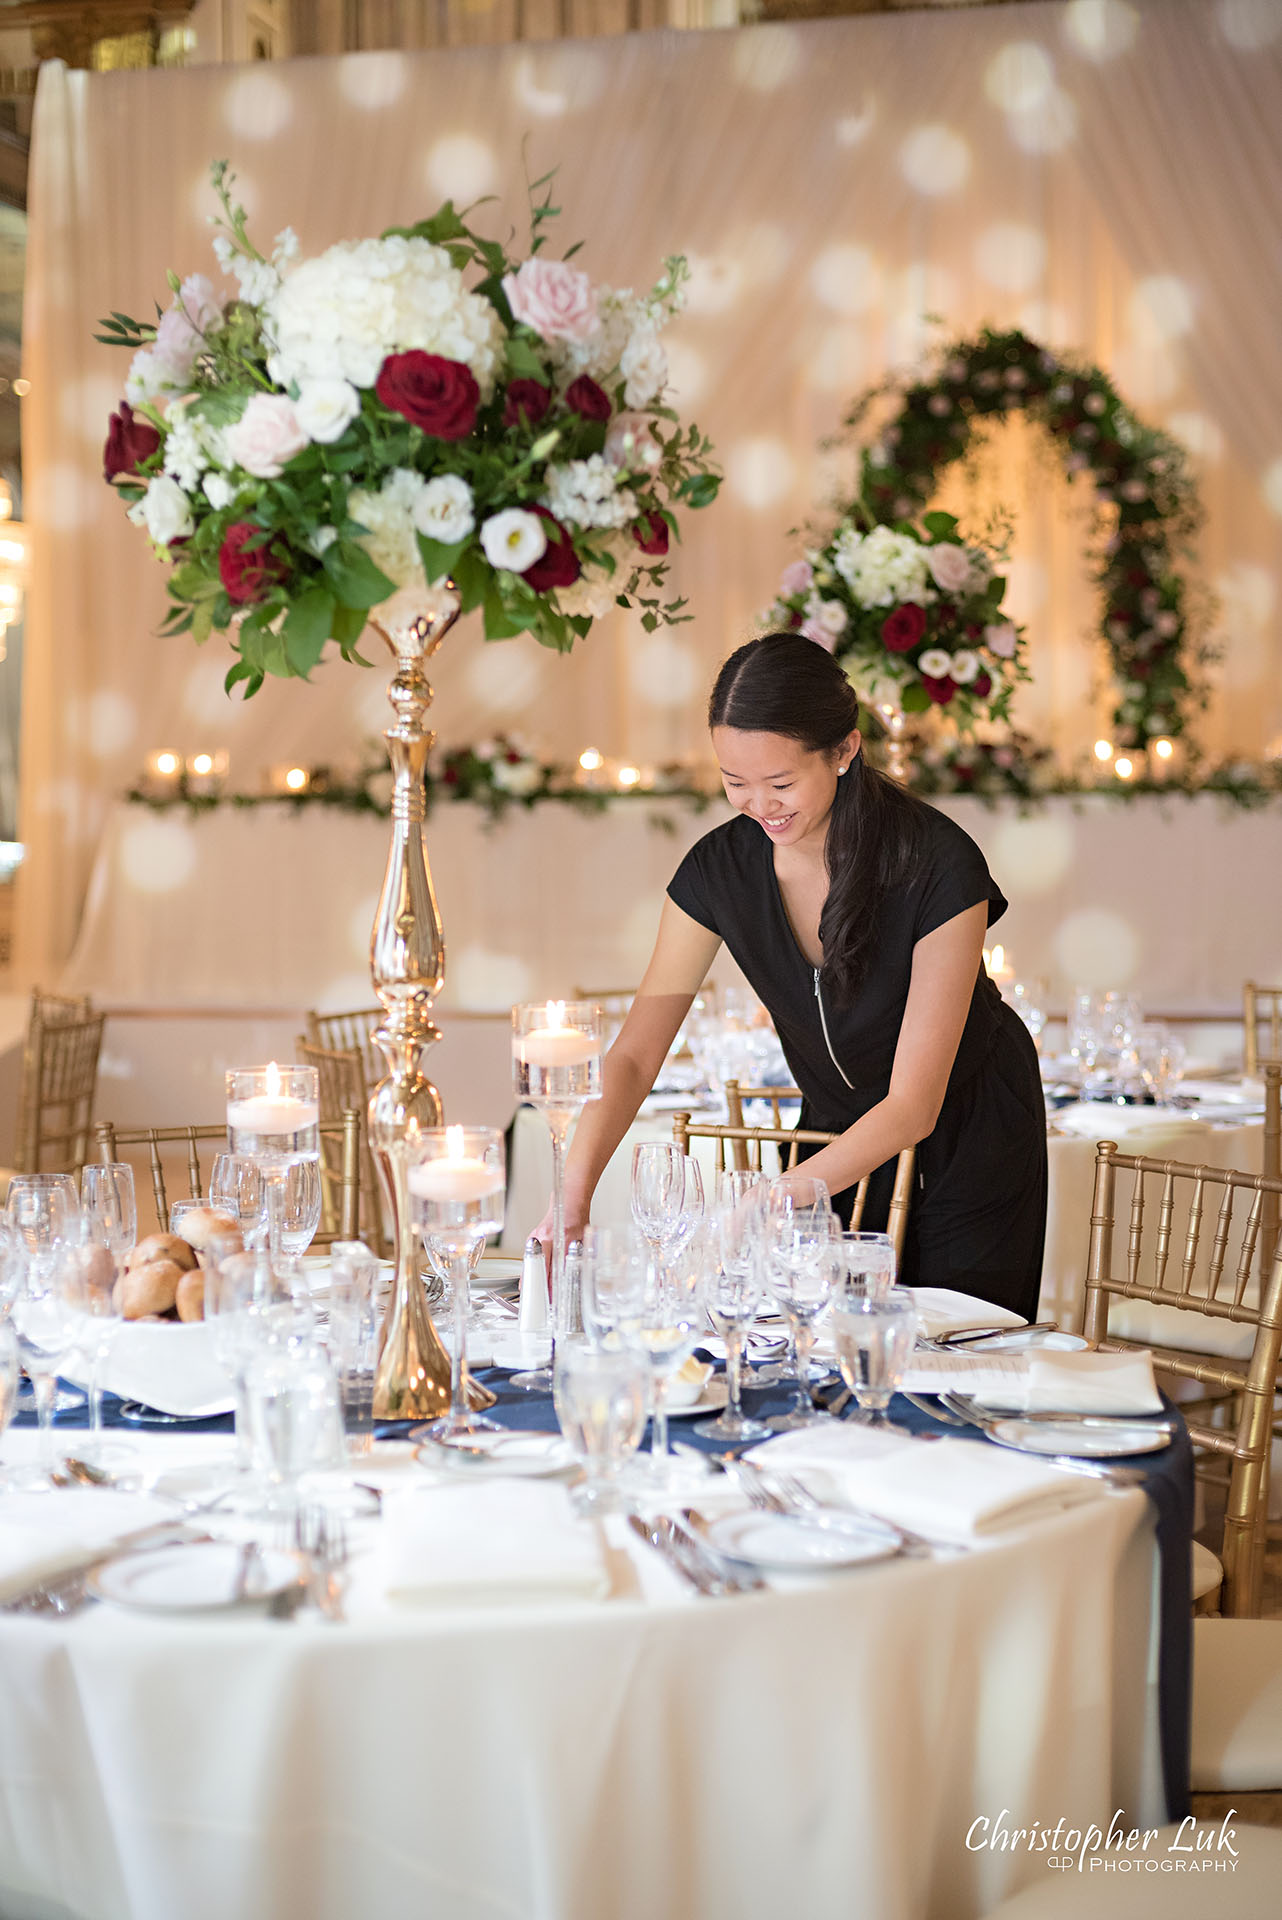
<point x="454" y="1143"/>
<point x="556" y="1014"/>
<point x="273" y="1081"/>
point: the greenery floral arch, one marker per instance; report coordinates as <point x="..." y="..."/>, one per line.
<point x="1137" y="470"/>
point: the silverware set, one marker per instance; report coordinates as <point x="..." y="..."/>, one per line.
<point x="679" y="1543"/>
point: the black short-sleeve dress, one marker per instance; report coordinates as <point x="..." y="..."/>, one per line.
<point x="978" y="1216"/>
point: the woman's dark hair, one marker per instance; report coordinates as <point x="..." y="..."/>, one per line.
<point x="786" y="684"/>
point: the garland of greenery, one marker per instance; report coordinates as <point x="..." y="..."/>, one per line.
<point x="1145" y="495"/>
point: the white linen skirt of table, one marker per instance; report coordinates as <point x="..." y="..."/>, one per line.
<point x="826" y="1751"/>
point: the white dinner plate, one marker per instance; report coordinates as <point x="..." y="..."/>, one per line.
<point x="1020" y="1341"/>
<point x="802" y="1542"/>
<point x="199" y="1578"/>
<point x="711" y="1400"/>
<point x="496" y="1270"/>
<point x="1073" y="1436"/>
<point x="511" y="1453"/>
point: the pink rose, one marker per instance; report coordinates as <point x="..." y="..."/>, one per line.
<point x="811" y="630"/>
<point x="798" y="577"/>
<point x="1001" y="640"/>
<point x="630" y="446"/>
<point x="556" y="300"/>
<point x="266" y="436"/>
<point x="949" y="566"/>
<point x="194" y="312"/>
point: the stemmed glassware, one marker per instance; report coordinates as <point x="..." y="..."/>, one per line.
<point x="236" y="1187"/>
<point x="658" y="1193"/>
<point x="273" y="1119"/>
<point x="601" y="1396"/>
<point x="108" y="1206"/>
<point x="43" y="1209"/>
<point x="457" y="1190"/>
<point x="874" y="1333"/>
<point x="556" y="1067"/>
<point x="44" y="1318"/>
<point x="669" y="1333"/>
<point x="109" y="1227"/>
<point x="1160" y="1055"/>
<point x="8" y="1386"/>
<point x="613" y="1278"/>
<point x="801" y="1272"/>
<point x="732" y="1284"/>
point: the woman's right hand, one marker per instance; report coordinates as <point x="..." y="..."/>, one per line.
<point x="576" y="1225"/>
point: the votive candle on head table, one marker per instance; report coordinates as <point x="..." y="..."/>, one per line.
<point x="556" y="1066"/>
<point x="457" y="1191"/>
<point x="273" y="1112"/>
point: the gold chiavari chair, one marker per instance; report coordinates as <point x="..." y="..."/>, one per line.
<point x="1261" y="1025"/>
<point x="1271" y="1161"/>
<point x="738" y="1096"/>
<point x="350" y="1033"/>
<point x="340" y="1073"/>
<point x="59" y="1079"/>
<point x="785" y="1141"/>
<point x="1228" y="1297"/>
<point x="164" y="1156"/>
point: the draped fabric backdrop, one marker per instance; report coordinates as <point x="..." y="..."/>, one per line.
<point x="1105" y="175"/>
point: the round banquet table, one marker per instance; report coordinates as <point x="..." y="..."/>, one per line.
<point x="822" y="1749"/>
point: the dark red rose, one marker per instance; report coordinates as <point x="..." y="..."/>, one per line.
<point x="450" y="776"/>
<point x="795" y="620"/>
<point x="651" y="533"/>
<point x="940" y="691"/>
<point x="583" y="396"/>
<point x="440" y="396"/>
<point x="902" y="629"/>
<point x="527" y="402"/>
<point x="982" y="685"/>
<point x="130" y="441"/>
<point x="559" y="564"/>
<point x="246" y="566"/>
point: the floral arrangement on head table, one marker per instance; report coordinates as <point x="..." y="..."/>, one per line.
<point x="913" y="615"/>
<point x="395" y="413"/>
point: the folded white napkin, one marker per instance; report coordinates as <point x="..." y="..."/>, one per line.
<point x="949" y="1490"/>
<point x="1097" y="1120"/>
<point x="1091" y="1383"/>
<point x="939" y="1310"/>
<point x="504" y="1540"/>
<point x="172" y="1367"/>
<point x="43" y="1533"/>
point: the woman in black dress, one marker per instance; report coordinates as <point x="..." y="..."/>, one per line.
<point x="858" y="915"/>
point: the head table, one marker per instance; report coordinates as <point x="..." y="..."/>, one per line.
<point x="822" y="1747"/>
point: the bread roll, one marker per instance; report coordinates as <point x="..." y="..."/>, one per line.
<point x="160" y="1246"/>
<point x="205" y="1224"/>
<point x="152" y="1288"/>
<point x="190" y="1298"/>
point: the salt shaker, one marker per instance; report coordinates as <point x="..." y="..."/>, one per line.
<point x="533" y="1312"/>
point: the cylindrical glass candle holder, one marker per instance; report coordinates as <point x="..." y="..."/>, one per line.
<point x="457" y="1191"/>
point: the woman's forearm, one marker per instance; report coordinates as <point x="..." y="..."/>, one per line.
<point x="878" y="1136"/>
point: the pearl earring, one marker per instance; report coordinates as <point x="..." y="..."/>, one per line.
<point x="841" y="770"/>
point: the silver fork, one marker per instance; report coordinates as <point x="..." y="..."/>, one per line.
<point x="786" y="1494"/>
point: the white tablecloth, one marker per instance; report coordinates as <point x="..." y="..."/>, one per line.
<point x="822" y="1751"/>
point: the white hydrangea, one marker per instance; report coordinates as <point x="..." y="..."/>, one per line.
<point x="219" y="491"/>
<point x="337" y="317"/>
<point x="882" y="568"/>
<point x="185" y="454"/>
<point x="592" y="594"/>
<point x="391" y="540"/>
<point x="644" y="366"/>
<point x="585" y="493"/>
<point x="445" y="510"/>
<point x="828" y="615"/>
<point x="517" y="777"/>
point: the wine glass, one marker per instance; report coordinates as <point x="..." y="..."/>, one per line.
<point x="614" y="1266"/>
<point x="658" y="1189"/>
<point x="273" y="1118"/>
<point x="601" y="1396"/>
<point x="87" y="1274"/>
<point x="556" y="1067"/>
<point x="457" y="1190"/>
<point x="44" y="1320"/>
<point x="669" y="1332"/>
<point x="108" y="1205"/>
<point x="802" y="1270"/>
<point x="731" y="1295"/>
<point x="301" y="1212"/>
<point x="874" y="1335"/>
<point x="236" y="1187"/>
<point x="295" y="1422"/>
<point x="44" y="1208"/>
<point x="1161" y="1056"/>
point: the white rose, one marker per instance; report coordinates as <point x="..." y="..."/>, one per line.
<point x="326" y="408"/>
<point x="266" y="436"/>
<point x="831" y="616"/>
<point x="219" y="491"/>
<point x="164" y="510"/>
<point x="513" y="539"/>
<point x="444" y="510"/>
<point x="965" y="667"/>
<point x="644" y="365"/>
<point x="1001" y="640"/>
<point x="519" y="777"/>
<point x="949" y="566"/>
<point x="935" y="664"/>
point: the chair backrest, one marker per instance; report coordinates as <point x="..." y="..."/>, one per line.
<point x="340" y="1073"/>
<point x="731" y="1141"/>
<point x="59" y="1079"/>
<point x="350" y="1033"/>
<point x="737" y="1096"/>
<point x="1224" y="1293"/>
<point x="1271" y="1162"/>
<point x="114" y="1142"/>
<point x="1261" y="1025"/>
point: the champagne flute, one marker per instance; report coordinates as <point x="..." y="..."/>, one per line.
<point x="556" y="1065"/>
<point x="457" y="1189"/>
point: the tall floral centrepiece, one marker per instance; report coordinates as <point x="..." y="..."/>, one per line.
<point x="914" y="615"/>
<point x="389" y="435"/>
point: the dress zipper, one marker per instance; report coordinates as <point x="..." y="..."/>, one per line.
<point x="819" y="1001"/>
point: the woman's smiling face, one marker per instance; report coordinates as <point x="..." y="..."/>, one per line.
<point x="785" y="787"/>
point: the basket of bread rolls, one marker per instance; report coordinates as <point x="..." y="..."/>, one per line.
<point x="163" y="1277"/>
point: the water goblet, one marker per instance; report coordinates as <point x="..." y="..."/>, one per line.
<point x="869" y="1257"/>
<point x="601" y="1396"/>
<point x="874" y="1336"/>
<point x="556" y="1067"/>
<point x="273" y="1118"/>
<point x="457" y="1190"/>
